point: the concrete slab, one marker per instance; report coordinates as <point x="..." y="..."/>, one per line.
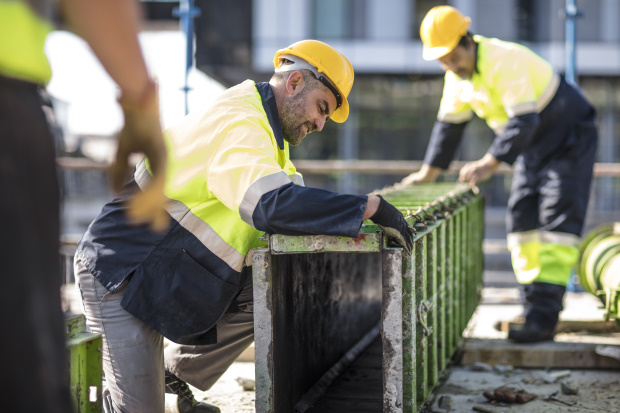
<point x="462" y="387"/>
<point x="462" y="391"/>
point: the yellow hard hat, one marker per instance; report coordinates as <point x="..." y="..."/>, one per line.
<point x="441" y="31"/>
<point x="328" y="65"/>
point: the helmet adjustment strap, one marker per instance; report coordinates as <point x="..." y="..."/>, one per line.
<point x="299" y="63"/>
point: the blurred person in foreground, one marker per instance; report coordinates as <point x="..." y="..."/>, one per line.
<point x="544" y="126"/>
<point x="230" y="180"/>
<point x="35" y="376"/>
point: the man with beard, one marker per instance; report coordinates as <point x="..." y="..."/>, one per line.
<point x="229" y="179"/>
<point x="544" y="126"/>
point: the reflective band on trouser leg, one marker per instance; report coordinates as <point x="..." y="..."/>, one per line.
<point x="525" y="261"/>
<point x="557" y="261"/>
<point x="543" y="262"/>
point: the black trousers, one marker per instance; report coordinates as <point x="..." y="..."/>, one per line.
<point x="34" y="368"/>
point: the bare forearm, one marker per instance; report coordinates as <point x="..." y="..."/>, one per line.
<point x="371" y="206"/>
<point x="111" y="29"/>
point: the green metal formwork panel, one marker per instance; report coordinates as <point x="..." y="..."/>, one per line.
<point x="446" y="280"/>
<point x="85" y="365"/>
<point x="428" y="296"/>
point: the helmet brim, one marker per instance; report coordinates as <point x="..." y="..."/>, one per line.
<point x="342" y="113"/>
<point x="434" y="53"/>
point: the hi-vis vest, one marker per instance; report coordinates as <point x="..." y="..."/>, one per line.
<point x="218" y="168"/>
<point x="23" y="29"/>
<point x="229" y="180"/>
<point x="498" y="91"/>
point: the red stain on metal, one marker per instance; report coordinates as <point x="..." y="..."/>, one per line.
<point x="358" y="240"/>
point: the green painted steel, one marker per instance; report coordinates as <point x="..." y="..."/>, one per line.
<point x="599" y="266"/>
<point x="442" y="280"/>
<point x="85" y="367"/>
<point x="437" y="288"/>
<point x="365" y="242"/>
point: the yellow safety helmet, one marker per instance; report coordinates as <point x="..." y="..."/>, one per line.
<point x="441" y="31"/>
<point x="329" y="66"/>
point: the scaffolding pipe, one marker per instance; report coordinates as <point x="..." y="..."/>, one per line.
<point x="570" y="43"/>
<point x="186" y="12"/>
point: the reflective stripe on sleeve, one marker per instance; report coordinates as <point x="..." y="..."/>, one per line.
<point x="541" y="103"/>
<point x="200" y="229"/>
<point x="257" y="190"/>
<point x="297" y="179"/>
<point x="549" y="92"/>
<point x="521" y="109"/>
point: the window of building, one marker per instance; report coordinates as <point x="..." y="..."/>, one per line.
<point x="339" y="19"/>
<point x="526" y="23"/>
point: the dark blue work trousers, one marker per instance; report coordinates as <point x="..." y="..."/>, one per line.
<point x="551" y="183"/>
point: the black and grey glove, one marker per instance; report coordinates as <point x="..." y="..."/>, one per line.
<point x="393" y="223"/>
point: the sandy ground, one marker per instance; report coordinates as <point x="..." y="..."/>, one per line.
<point x="227" y="393"/>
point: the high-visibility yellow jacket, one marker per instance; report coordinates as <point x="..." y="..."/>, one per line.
<point x="510" y="80"/>
<point x="24" y="26"/>
<point x="229" y="179"/>
<point x="545" y="125"/>
<point x="510" y="86"/>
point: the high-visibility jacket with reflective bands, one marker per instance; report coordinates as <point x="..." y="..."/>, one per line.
<point x="509" y="88"/>
<point x="24" y="26"/>
<point x="543" y="125"/>
<point x="229" y="179"/>
<point x="510" y="80"/>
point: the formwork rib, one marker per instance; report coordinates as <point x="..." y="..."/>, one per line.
<point x="320" y="300"/>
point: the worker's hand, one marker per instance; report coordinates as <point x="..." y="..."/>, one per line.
<point x="141" y="133"/>
<point x="393" y="223"/>
<point x="480" y="170"/>
<point x="426" y="174"/>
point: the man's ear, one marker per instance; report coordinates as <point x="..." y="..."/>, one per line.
<point x="294" y="83"/>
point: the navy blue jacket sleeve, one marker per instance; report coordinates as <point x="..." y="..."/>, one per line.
<point x="515" y="138"/>
<point x="296" y="210"/>
<point x="445" y="138"/>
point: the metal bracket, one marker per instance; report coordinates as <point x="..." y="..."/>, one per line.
<point x="422" y="311"/>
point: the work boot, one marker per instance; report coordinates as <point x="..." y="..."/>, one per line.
<point x="543" y="303"/>
<point x="186" y="402"/>
<point x="530" y="332"/>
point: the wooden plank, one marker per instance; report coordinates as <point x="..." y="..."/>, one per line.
<point x="549" y="354"/>
<point x="570" y="326"/>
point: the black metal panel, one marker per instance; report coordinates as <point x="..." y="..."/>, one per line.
<point x="308" y="290"/>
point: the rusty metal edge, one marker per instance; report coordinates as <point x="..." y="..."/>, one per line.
<point x="263" y="328"/>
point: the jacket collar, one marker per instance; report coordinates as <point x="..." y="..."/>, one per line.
<point x="271" y="109"/>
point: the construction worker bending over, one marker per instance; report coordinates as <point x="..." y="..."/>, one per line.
<point x="35" y="376"/>
<point x="544" y="126"/>
<point x="230" y="178"/>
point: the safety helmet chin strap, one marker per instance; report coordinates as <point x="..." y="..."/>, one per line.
<point x="299" y="63"/>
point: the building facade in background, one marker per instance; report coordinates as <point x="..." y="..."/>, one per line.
<point x="396" y="93"/>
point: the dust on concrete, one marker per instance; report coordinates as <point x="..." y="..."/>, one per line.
<point x="227" y="393"/>
<point x="462" y="391"/>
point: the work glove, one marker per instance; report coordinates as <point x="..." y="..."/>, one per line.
<point x="141" y="133"/>
<point x="393" y="223"/>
